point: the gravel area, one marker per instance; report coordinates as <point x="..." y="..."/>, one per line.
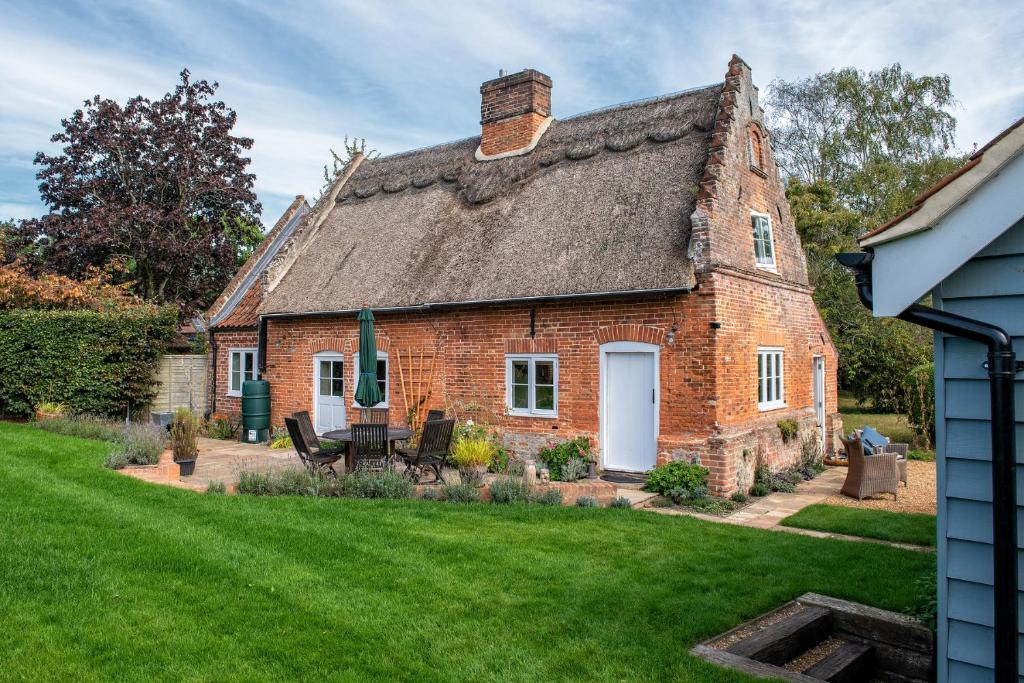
<point x="814" y="655"/>
<point x="918" y="496"/>
<point x="755" y="626"/>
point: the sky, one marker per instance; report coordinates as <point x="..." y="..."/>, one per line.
<point x="405" y="75"/>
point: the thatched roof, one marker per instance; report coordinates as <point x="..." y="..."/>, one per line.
<point x="602" y="204"/>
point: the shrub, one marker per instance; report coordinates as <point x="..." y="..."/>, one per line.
<point x="661" y="503"/>
<point x="116" y="460"/>
<point x="84" y="427"/>
<point x="509" y="490"/>
<point x="113" y="354"/>
<point x="739" y="497"/>
<point x="586" y="502"/>
<point x="142" y="443"/>
<point x="812" y="460"/>
<point x="472" y="452"/>
<point x="919" y="390"/>
<point x="280" y="439"/>
<point x="557" y="455"/>
<point x="254" y="483"/>
<point x="51" y="409"/>
<point x="184" y="435"/>
<point x="711" y="505"/>
<point x="677" y="474"/>
<point x="574" y="469"/>
<point x="548" y="497"/>
<point x="460" y="493"/>
<point x="221" y="427"/>
<point x="216" y="487"/>
<point x="760" y="490"/>
<point x="926" y="456"/>
<point x="789" y="429"/>
<point x="363" y="483"/>
<point x="622" y="502"/>
<point x="429" y="493"/>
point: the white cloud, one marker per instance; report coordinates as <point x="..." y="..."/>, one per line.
<point x="406" y="74"/>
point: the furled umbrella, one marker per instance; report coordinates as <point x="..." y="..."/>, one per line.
<point x="367" y="389"/>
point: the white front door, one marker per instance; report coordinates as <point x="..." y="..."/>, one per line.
<point x="819" y="396"/>
<point x="630" y="409"/>
<point x="329" y="391"/>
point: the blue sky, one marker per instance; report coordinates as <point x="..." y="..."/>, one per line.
<point x="407" y="74"/>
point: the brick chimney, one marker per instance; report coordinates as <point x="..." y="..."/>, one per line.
<point x="515" y="110"/>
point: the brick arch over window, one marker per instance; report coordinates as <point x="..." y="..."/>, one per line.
<point x="335" y="344"/>
<point x="634" y="333"/>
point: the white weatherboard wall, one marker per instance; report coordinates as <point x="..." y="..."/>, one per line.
<point x="989" y="287"/>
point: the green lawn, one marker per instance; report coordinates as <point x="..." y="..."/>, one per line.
<point x="904" y="527"/>
<point x="105" y="577"/>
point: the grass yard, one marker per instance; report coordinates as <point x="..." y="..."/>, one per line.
<point x="106" y="577"/>
<point x="903" y="527"/>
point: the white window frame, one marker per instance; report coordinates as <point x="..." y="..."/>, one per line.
<point x="766" y="386"/>
<point x="381" y="356"/>
<point x="241" y="365"/>
<point x="532" y="410"/>
<point x="768" y="264"/>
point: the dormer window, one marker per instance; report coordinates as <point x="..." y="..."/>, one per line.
<point x="755" y="149"/>
<point x="764" y="247"/>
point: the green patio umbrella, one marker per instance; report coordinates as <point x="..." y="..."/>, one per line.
<point x="367" y="390"/>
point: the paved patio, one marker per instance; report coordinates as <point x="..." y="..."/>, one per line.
<point x="218" y="461"/>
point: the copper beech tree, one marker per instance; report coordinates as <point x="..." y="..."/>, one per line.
<point x="161" y="186"/>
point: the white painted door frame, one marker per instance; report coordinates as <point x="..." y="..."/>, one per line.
<point x="818" y="396"/>
<point x="627" y="347"/>
<point x="328" y="356"/>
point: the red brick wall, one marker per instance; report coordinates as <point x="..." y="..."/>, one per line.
<point x="219" y="401"/>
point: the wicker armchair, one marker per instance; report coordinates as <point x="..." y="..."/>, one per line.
<point x="869" y="474"/>
<point x="901" y="450"/>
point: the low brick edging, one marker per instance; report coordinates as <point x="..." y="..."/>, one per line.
<point x="601" y="491"/>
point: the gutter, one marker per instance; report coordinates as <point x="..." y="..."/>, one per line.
<point x="1001" y="366"/>
<point x="451" y="305"/>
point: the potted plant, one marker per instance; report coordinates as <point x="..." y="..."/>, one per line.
<point x="472" y="456"/>
<point x="184" y="441"/>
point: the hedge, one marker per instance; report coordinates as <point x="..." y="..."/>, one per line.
<point x="98" y="362"/>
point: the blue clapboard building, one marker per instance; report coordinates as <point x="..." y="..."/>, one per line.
<point x="963" y="242"/>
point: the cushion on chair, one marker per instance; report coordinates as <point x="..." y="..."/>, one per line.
<point x="873" y="439"/>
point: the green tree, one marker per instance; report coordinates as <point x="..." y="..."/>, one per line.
<point x="857" y="148"/>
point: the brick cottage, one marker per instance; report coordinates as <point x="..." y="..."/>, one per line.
<point x="630" y="274"/>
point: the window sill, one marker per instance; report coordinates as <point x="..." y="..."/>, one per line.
<point x="758" y="170"/>
<point x="234" y="394"/>
<point x="520" y="413"/>
<point x="768" y="267"/>
<point x="768" y="407"/>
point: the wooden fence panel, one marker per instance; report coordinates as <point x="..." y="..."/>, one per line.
<point x="182" y="383"/>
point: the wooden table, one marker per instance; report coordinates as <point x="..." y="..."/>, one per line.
<point x="345" y="436"/>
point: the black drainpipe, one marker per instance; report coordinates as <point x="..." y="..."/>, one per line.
<point x="1001" y="366"/>
<point x="212" y="408"/>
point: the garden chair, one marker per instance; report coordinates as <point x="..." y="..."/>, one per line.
<point x="310" y="437"/>
<point x="431" y="452"/>
<point x="373" y="416"/>
<point x="433" y="415"/>
<point x="370" y="446"/>
<point x="312" y="460"/>
<point x="901" y="450"/>
<point x="869" y="474"/>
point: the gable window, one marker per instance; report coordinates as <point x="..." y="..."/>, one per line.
<point x="769" y="378"/>
<point x="531" y="384"/>
<point x="242" y="367"/>
<point x="764" y="248"/>
<point x="382" y="377"/>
